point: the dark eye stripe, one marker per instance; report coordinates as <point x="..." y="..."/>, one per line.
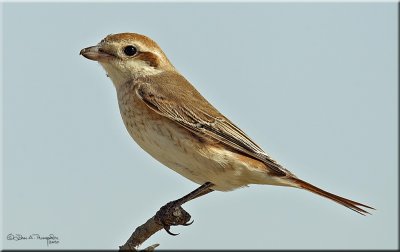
<point x="150" y="58"/>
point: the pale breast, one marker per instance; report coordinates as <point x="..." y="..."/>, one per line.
<point x="183" y="151"/>
<point x="166" y="141"/>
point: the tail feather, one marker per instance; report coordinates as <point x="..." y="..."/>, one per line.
<point x="353" y="205"/>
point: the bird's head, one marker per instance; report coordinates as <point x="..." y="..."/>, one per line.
<point x="125" y="56"/>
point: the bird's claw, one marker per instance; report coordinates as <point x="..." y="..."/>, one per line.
<point x="172" y="214"/>
<point x="188" y="223"/>
<point x="166" y="228"/>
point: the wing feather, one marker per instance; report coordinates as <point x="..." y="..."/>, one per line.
<point x="195" y="119"/>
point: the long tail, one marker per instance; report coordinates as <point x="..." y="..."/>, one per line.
<point x="353" y="205"/>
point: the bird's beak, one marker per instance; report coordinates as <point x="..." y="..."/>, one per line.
<point x="95" y="53"/>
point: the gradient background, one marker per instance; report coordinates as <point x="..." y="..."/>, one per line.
<point x="314" y="84"/>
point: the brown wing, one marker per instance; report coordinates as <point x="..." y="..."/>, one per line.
<point x="189" y="109"/>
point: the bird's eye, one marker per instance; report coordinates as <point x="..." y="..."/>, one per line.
<point x="130" y="50"/>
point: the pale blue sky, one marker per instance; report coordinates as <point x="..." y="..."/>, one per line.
<point x="314" y="84"/>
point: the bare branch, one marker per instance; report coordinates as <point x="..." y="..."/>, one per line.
<point x="171" y="214"/>
<point x="168" y="215"/>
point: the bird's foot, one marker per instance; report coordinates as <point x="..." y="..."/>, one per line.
<point x="172" y="214"/>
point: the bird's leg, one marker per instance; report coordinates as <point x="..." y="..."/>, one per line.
<point x="197" y="196"/>
<point x="202" y="190"/>
<point x="173" y="214"/>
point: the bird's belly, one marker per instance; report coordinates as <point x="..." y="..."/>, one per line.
<point x="188" y="155"/>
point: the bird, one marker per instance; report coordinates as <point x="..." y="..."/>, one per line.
<point x="169" y="119"/>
